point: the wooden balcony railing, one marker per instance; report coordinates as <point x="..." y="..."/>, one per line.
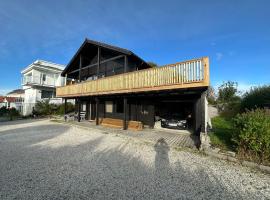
<point x="192" y="73"/>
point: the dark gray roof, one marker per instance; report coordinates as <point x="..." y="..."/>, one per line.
<point x="19" y="91"/>
<point x="107" y="46"/>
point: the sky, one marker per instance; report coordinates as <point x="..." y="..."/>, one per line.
<point x="235" y="34"/>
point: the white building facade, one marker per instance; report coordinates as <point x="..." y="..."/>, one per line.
<point x="39" y="81"/>
<point x="15" y="99"/>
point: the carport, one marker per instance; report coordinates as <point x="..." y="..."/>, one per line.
<point x="177" y="109"/>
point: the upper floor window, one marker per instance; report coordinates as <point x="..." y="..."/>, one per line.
<point x="43" y="77"/>
<point x="47" y="94"/>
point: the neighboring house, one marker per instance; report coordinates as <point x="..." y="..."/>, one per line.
<point x="18" y="97"/>
<point x="114" y="86"/>
<point x="8" y="102"/>
<point x="2" y="104"/>
<point x="39" y="81"/>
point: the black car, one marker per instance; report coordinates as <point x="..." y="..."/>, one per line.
<point x="174" y="122"/>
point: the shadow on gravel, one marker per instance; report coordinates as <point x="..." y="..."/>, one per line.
<point x="161" y="158"/>
<point x="100" y="170"/>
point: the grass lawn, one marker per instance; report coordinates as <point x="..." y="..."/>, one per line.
<point x="221" y="134"/>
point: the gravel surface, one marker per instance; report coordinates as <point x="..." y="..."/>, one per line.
<point x="46" y="160"/>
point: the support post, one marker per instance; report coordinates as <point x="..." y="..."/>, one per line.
<point x="97" y="111"/>
<point x="79" y="110"/>
<point x="98" y="60"/>
<point x="197" y="113"/>
<point x="80" y="71"/>
<point x="125" y="114"/>
<point x="87" y="110"/>
<point x="65" y="107"/>
<point x="203" y="113"/>
<point x="125" y="64"/>
<point x="65" y="79"/>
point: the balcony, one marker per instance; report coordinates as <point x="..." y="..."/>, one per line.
<point x="188" y="74"/>
<point x="38" y="80"/>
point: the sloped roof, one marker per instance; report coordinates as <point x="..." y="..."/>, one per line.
<point x="10" y="99"/>
<point x="104" y="45"/>
<point x="2" y="99"/>
<point x="17" y="91"/>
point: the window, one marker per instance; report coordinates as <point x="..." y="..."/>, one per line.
<point x="108" y="106"/>
<point x="119" y="106"/>
<point x="47" y="94"/>
<point x="44" y="77"/>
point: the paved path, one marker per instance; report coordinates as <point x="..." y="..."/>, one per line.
<point x="45" y="160"/>
<point x="172" y="137"/>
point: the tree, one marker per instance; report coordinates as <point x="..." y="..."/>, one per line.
<point x="228" y="99"/>
<point x="257" y="97"/>
<point x="211" y="95"/>
<point x="227" y="92"/>
<point x="152" y="64"/>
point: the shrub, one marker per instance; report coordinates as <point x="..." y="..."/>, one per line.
<point x="12" y="112"/>
<point x="44" y="108"/>
<point x="231" y="109"/>
<point x="252" y="135"/>
<point x="258" y="97"/>
<point x="61" y="108"/>
<point x="3" y="111"/>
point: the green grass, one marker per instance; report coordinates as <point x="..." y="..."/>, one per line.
<point x="221" y="134"/>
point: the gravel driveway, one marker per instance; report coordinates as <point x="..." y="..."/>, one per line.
<point x="46" y="160"/>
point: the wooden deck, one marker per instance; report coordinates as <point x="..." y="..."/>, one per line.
<point x="188" y="74"/>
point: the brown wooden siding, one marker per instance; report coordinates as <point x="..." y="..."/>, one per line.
<point x="188" y="74"/>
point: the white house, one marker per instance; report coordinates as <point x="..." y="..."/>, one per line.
<point x="15" y="99"/>
<point x="39" y="81"/>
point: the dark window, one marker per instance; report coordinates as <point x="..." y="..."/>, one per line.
<point x="44" y="77"/>
<point x="119" y="106"/>
<point x="47" y="94"/>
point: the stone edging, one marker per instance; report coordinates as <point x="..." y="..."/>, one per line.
<point x="227" y="157"/>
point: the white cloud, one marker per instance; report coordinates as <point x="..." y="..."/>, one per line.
<point x="219" y="56"/>
<point x="213" y="43"/>
<point x="245" y="87"/>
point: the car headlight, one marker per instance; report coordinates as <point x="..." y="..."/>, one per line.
<point x="182" y="122"/>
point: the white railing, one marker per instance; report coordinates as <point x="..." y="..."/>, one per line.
<point x="38" y="80"/>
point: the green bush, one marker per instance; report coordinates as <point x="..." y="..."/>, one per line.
<point x="3" y="111"/>
<point x="231" y="109"/>
<point x="44" y="108"/>
<point x="12" y="113"/>
<point x="251" y="132"/>
<point x="61" y="108"/>
<point x="258" y="97"/>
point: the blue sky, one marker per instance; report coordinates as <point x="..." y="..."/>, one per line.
<point x="234" y="34"/>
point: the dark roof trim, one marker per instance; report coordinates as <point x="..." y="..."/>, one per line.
<point x="106" y="46"/>
<point x="19" y="91"/>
